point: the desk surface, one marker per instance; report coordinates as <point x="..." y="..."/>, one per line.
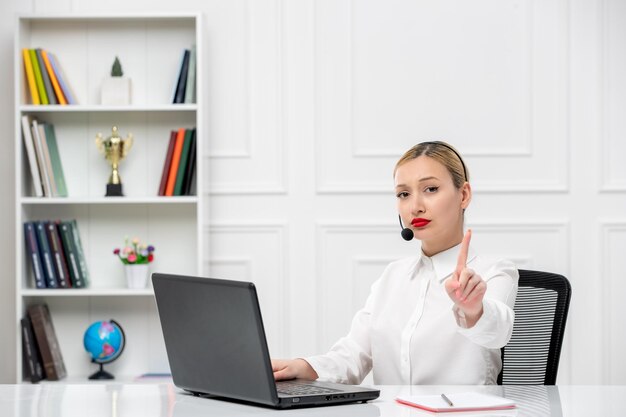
<point x="165" y="400"/>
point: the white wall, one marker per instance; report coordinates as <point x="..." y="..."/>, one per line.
<point x="310" y="103"/>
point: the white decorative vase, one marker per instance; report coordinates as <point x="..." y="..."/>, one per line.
<point x="136" y="276"/>
<point x="116" y="91"/>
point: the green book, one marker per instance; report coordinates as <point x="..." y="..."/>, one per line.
<point x="182" y="167"/>
<point x="38" y="78"/>
<point x="82" y="262"/>
<point x="47" y="84"/>
<point x="71" y="254"/>
<point x="55" y="160"/>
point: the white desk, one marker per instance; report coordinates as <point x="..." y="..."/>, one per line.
<point x="165" y="400"/>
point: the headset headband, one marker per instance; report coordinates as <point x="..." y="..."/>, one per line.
<point x="453" y="150"/>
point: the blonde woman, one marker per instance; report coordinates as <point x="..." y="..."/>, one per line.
<point x="439" y="317"/>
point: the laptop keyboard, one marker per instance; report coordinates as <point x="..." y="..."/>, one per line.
<point x="294" y="388"/>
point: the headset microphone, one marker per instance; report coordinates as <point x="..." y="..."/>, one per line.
<point x="407" y="234"/>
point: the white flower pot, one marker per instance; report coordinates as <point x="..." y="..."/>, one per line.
<point x="136" y="275"/>
<point x="116" y="91"/>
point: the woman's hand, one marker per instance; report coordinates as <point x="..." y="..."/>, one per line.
<point x="465" y="287"/>
<point x="292" y="368"/>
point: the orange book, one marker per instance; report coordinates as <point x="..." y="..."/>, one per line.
<point x="30" y="77"/>
<point x="178" y="149"/>
<point x="53" y="79"/>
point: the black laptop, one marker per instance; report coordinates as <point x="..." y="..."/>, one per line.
<point x="216" y="346"/>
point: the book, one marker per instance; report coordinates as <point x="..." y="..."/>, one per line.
<point x="465" y="401"/>
<point x="33" y="254"/>
<point x="45" y="180"/>
<point x="53" y="78"/>
<point x="46" y="158"/>
<point x="167" y="163"/>
<point x="191" y="166"/>
<point x="32" y="156"/>
<point x="82" y="262"/>
<point x="46" y="78"/>
<point x="58" y="72"/>
<point x="178" y="148"/>
<point x="193" y="184"/>
<point x="179" y="96"/>
<point x="30" y="352"/>
<point x="49" y="271"/>
<point x="55" y="160"/>
<point x="190" y="89"/>
<point x="43" y="97"/>
<point x="30" y="77"/>
<point x="56" y="248"/>
<point x="71" y="254"/>
<point x="53" y="364"/>
<point x="182" y="166"/>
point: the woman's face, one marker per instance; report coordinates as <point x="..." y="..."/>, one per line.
<point x="430" y="204"/>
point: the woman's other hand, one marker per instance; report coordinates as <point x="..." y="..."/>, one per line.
<point x="292" y="368"/>
<point x="465" y="287"/>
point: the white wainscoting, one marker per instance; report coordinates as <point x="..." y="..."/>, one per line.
<point x="310" y="103"/>
<point x="613" y="280"/>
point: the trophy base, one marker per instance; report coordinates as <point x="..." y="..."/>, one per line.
<point x="114" y="190"/>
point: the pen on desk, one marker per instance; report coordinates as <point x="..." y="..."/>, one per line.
<point x="446" y="399"/>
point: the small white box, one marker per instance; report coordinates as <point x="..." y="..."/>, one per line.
<point x="116" y="91"/>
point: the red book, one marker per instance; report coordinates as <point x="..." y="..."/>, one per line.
<point x="168" y="162"/>
<point x="178" y="148"/>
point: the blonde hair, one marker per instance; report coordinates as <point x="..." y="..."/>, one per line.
<point x="442" y="153"/>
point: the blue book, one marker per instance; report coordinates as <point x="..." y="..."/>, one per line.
<point x="32" y="253"/>
<point x="179" y="95"/>
<point x="46" y="256"/>
<point x="67" y="91"/>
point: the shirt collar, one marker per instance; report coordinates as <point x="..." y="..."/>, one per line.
<point x="444" y="262"/>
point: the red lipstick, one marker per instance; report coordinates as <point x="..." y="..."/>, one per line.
<point x="419" y="222"/>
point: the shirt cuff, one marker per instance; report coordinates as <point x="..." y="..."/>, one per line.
<point x="324" y="373"/>
<point x="484" y="323"/>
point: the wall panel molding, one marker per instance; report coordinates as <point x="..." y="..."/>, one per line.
<point x="351" y="167"/>
<point x="260" y="166"/>
<point x="612" y="276"/>
<point x="613" y="101"/>
<point x="260" y="250"/>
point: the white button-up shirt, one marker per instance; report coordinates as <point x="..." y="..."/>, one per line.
<point x="410" y="332"/>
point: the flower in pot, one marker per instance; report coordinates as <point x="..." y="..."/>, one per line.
<point x="135" y="256"/>
<point x="116" y="89"/>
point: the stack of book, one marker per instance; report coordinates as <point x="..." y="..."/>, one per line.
<point x="40" y="347"/>
<point x="178" y="176"/>
<point x="47" y="84"/>
<point x="55" y="252"/>
<point x="186" y="85"/>
<point x="43" y="158"/>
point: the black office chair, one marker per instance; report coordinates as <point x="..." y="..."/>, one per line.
<point x="532" y="355"/>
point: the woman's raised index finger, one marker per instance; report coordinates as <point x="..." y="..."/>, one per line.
<point x="462" y="261"/>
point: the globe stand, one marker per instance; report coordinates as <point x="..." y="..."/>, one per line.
<point x="102" y="374"/>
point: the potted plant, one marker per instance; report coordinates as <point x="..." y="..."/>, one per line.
<point x="116" y="89"/>
<point x="136" y="257"/>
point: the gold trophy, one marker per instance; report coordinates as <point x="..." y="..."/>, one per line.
<point x="114" y="149"/>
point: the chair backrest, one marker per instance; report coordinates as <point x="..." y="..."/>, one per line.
<point x="532" y="355"/>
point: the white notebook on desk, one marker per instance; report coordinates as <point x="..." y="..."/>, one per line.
<point x="465" y="401"/>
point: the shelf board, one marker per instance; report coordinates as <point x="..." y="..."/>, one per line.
<point x="119" y="379"/>
<point x="86" y="292"/>
<point x="108" y="200"/>
<point x="80" y="108"/>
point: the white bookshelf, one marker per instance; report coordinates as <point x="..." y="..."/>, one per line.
<point x="150" y="48"/>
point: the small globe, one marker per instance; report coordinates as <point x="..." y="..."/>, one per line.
<point x="104" y="341"/>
